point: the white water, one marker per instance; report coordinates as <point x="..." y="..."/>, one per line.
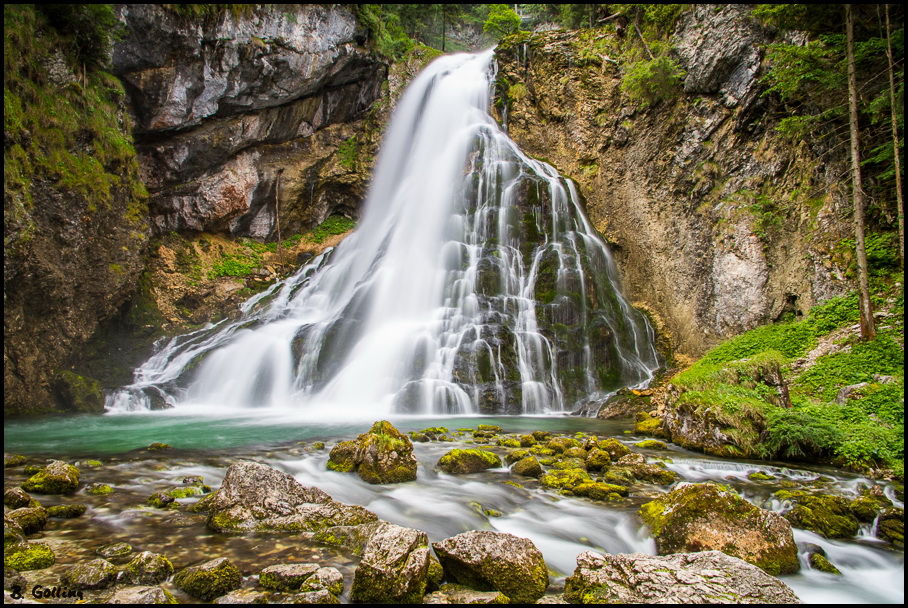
<point x="474" y="284"/>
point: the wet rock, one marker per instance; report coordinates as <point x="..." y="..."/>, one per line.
<point x="597" y="459"/>
<point x="56" y="478"/>
<point x="24" y="556"/>
<point x="458" y="594"/>
<point x="302" y="577"/>
<point x="328" y="579"/>
<point x="394" y="567"/>
<point x="640" y="469"/>
<point x="650" y="425"/>
<point x="819" y="562"/>
<point x="30" y="519"/>
<point x="460" y="462"/>
<point x="243" y="596"/>
<point x="891" y="526"/>
<point x="141" y="595"/>
<point x="354" y="538"/>
<point x="829" y="516"/>
<point x="146" y="568"/>
<point x="312" y="597"/>
<point x="867" y="506"/>
<point x="98" y="489"/>
<point x="79" y="394"/>
<point x="95" y="574"/>
<point x="155" y="447"/>
<point x="12" y="460"/>
<point x="12" y="531"/>
<point x="209" y="580"/>
<point x="255" y="496"/>
<point x="528" y="467"/>
<point x="161" y="500"/>
<point x="118" y="549"/>
<point x="706" y="517"/>
<point x="709" y="577"/>
<point x="66" y="511"/>
<point x="382" y="455"/>
<point x="600" y="491"/>
<point x="16" y="498"/>
<point x="495" y="561"/>
<point x="565" y="478"/>
<point x="652" y="444"/>
<point x="614" y="448"/>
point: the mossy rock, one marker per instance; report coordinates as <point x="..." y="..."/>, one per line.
<point x="28" y="556"/>
<point x="760" y="476"/>
<point x="527" y="441"/>
<point x="490" y="428"/>
<point x="459" y="462"/>
<point x="508" y="442"/>
<point x="891" y="526"/>
<point x="516" y="455"/>
<point x="867" y="506"/>
<point x="649" y="425"/>
<point x="162" y="500"/>
<point x="12" y="460"/>
<point x="30" y="520"/>
<point x="541" y="435"/>
<point x="652" y="444"/>
<point x="614" y="448"/>
<point x="66" y="511"/>
<point x="154" y="447"/>
<point x="706" y="517"/>
<point x="828" y="516"/>
<point x="118" y="549"/>
<point x="209" y="580"/>
<point x="56" y="478"/>
<point x="597" y="459"/>
<point x="576" y="452"/>
<point x="286" y="577"/>
<point x="89" y="464"/>
<point x="342" y="457"/>
<point x="560" y="444"/>
<point x="600" y="491"/>
<point x="98" y="489"/>
<point x="569" y="463"/>
<point x="566" y="478"/>
<point x="819" y="562"/>
<point x="381" y="455"/>
<point x="95" y="574"/>
<point x="16" y="498"/>
<point x="528" y="467"/>
<point x="188" y="491"/>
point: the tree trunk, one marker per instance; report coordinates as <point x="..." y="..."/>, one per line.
<point x="895" y="144"/>
<point x="868" y="331"/>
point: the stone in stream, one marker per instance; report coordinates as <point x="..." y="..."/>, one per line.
<point x="381" y="455"/>
<point x="709" y="577"/>
<point x="706" y="517"/>
<point x="256" y="497"/>
<point x="31" y="520"/>
<point x="56" y="478"/>
<point x="468" y="461"/>
<point x="146" y="568"/>
<point x="209" y="580"/>
<point x="495" y="561"/>
<point x="94" y="574"/>
<point x="394" y="567"/>
<point x="141" y="595"/>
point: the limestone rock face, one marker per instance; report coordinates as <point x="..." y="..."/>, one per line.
<point x="495" y="561"/>
<point x="223" y="105"/>
<point x="255" y="496"/>
<point x="394" y="567"/>
<point x="710" y="577"/>
<point x="707" y="517"/>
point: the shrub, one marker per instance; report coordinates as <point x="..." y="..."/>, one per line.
<point x="652" y="81"/>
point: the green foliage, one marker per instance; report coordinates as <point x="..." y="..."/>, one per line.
<point x="234" y="266"/>
<point x="335" y="224"/>
<point x="86" y="31"/>
<point x="791" y="339"/>
<point x="652" y="81"/>
<point x="882" y="252"/>
<point x="385" y="30"/>
<point x="348" y="153"/>
<point x="883" y="355"/>
<point x="795" y="434"/>
<point x="502" y="21"/>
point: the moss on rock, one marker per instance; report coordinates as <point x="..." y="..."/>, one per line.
<point x="458" y="461"/>
<point x="828" y="516"/>
<point x="28" y="556"/>
<point x="209" y="580"/>
<point x="66" y="511"/>
<point x="56" y="478"/>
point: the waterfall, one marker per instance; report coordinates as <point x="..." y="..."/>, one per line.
<point x="474" y="284"/>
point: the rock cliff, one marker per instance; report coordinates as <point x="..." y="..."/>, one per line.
<point x="717" y="223"/>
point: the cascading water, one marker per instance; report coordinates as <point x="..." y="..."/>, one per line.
<point x="473" y="284"/>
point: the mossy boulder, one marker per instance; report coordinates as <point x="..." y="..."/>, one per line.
<point x="495" y="561"/>
<point x="458" y="462"/>
<point x="16" y="498"/>
<point x="597" y="459"/>
<point x="652" y="444"/>
<point x="141" y="596"/>
<point x="12" y="460"/>
<point x="30" y="519"/>
<point x="381" y="455"/>
<point x="321" y="596"/>
<point x="565" y="478"/>
<point x="820" y="562"/>
<point x="286" y="577"/>
<point x="706" y="517"/>
<point x="828" y="516"/>
<point x="158" y="446"/>
<point x="600" y="491"/>
<point x="95" y="574"/>
<point x="24" y="556"/>
<point x="515" y="455"/>
<point x="642" y="470"/>
<point x="891" y="526"/>
<point x="528" y="467"/>
<point x="56" y="478"/>
<point x="708" y="577"/>
<point x="162" y="500"/>
<point x="66" y="511"/>
<point x="394" y="567"/>
<point x="649" y="425"/>
<point x="209" y="580"/>
<point x="560" y="444"/>
<point x="98" y="489"/>
<point x="869" y="504"/>
<point x="256" y="497"/>
<point x="118" y="549"/>
<point x="614" y="448"/>
<point x="147" y="568"/>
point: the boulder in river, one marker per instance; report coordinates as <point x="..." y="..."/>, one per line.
<point x="394" y="567"/>
<point x="257" y="497"/>
<point x="495" y="561"/>
<point x="56" y="478"/>
<point x="708" y="577"/>
<point x="707" y="517"/>
<point x="468" y="461"/>
<point x="147" y="568"/>
<point x="381" y="455"/>
<point x="209" y="580"/>
<point x="95" y="574"/>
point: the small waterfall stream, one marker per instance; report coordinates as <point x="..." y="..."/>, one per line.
<point x="473" y="285"/>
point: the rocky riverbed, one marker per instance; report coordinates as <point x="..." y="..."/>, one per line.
<point x="298" y="522"/>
